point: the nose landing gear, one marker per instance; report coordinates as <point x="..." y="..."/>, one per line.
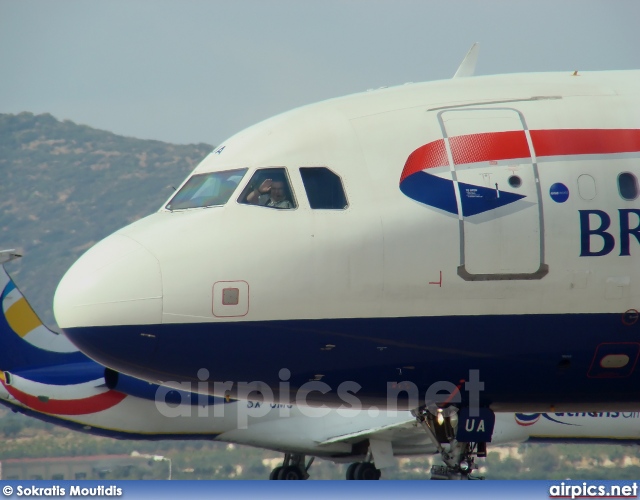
<point x="458" y="457"/>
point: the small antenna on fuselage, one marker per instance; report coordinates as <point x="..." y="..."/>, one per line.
<point x="468" y="65"/>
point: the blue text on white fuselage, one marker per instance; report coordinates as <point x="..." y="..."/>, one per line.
<point x="589" y="235"/>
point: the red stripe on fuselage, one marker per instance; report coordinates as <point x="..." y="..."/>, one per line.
<point x="430" y="155"/>
<point x="495" y="146"/>
<point x="475" y="148"/>
<point x="585" y="141"/>
<point x="93" y="404"/>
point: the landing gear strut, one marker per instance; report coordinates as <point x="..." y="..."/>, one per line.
<point x="293" y="468"/>
<point x="458" y="457"/>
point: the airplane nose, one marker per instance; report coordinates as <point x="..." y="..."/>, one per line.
<point x="116" y="282"/>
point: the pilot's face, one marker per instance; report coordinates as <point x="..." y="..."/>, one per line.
<point x="277" y="191"/>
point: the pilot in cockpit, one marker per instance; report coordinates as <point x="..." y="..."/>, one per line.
<point x="271" y="193"/>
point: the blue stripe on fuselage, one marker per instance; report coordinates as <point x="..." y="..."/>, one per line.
<point x="521" y="359"/>
<point x="64" y="374"/>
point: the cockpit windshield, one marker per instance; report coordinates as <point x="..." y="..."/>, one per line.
<point x="206" y="190"/>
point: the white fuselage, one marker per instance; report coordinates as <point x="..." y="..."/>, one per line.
<point x="486" y="228"/>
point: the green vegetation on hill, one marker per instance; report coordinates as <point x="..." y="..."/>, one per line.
<point x="64" y="186"/>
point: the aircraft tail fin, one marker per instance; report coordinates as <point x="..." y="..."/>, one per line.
<point x="25" y="342"/>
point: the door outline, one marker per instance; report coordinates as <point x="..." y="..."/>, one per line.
<point x="543" y="268"/>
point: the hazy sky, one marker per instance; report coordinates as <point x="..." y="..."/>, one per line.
<point x="199" y="71"/>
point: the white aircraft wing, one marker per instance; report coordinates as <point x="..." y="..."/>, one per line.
<point x="8" y="255"/>
<point x="391" y="432"/>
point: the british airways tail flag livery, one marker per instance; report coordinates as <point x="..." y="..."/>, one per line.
<point x="57" y="384"/>
<point x="470" y="243"/>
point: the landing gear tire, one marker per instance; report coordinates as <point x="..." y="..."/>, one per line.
<point x="275" y="472"/>
<point x="293" y="468"/>
<point x="291" y="473"/>
<point x="366" y="471"/>
<point x="363" y="471"/>
<point x="351" y="470"/>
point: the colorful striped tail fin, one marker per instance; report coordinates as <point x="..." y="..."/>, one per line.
<point x="25" y="342"/>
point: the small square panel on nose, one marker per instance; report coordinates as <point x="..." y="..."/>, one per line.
<point x="230" y="296"/>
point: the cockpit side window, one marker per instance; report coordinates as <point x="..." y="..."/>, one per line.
<point x="269" y="187"/>
<point x="324" y="188"/>
<point x="206" y="190"/>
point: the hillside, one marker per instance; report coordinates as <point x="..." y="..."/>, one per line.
<point x="65" y="186"/>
